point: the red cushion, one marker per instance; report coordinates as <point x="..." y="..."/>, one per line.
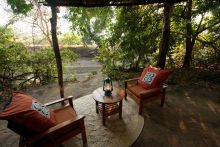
<point x="28" y="112"/>
<point x="137" y="89"/>
<point x="153" y="77"/>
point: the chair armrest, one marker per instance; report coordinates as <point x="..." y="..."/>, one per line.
<point x="69" y="98"/>
<point x="131" y="80"/>
<point x="53" y="130"/>
<point x="150" y="92"/>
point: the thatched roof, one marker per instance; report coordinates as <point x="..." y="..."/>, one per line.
<point x="103" y="3"/>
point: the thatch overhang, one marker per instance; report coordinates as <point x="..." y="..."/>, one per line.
<point x="103" y="3"/>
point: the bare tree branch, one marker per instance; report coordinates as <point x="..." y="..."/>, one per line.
<point x="206" y="28"/>
<point x="200" y="23"/>
<point x="198" y="39"/>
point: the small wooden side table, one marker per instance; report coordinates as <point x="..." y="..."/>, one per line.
<point x="107" y="105"/>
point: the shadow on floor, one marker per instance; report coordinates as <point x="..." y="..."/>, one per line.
<point x="190" y="118"/>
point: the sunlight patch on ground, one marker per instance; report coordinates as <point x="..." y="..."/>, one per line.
<point x="214" y="107"/>
<point x="182" y="126"/>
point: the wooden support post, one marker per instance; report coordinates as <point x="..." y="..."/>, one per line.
<point x="56" y="49"/>
<point x="164" y="44"/>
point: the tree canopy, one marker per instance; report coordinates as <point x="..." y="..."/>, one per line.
<point x="129" y="37"/>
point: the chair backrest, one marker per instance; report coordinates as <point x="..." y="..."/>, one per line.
<point x="64" y="129"/>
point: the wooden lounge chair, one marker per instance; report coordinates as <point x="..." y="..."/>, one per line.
<point x="68" y="125"/>
<point x="141" y="95"/>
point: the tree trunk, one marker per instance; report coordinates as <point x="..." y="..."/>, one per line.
<point x="56" y="49"/>
<point x="164" y="44"/>
<point x="189" y="42"/>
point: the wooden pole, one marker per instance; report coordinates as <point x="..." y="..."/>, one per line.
<point x="189" y="33"/>
<point x="56" y="50"/>
<point x="164" y="44"/>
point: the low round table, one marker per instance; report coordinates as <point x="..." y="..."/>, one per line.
<point x="107" y="105"/>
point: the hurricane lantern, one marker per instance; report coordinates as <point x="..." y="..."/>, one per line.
<point x="107" y="87"/>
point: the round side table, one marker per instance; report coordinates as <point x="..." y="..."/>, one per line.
<point x="107" y="105"/>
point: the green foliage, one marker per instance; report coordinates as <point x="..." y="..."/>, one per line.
<point x="91" y="23"/>
<point x="42" y="64"/>
<point x="137" y="33"/>
<point x="205" y="33"/>
<point x="70" y="39"/>
<point x="68" y="55"/>
<point x="71" y="78"/>
<point x="132" y="39"/>
<point x="129" y="37"/>
<point x="19" y="67"/>
<point x="13" y="56"/>
<point x="109" y="57"/>
<point x="20" y="6"/>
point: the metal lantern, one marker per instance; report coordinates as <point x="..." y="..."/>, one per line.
<point x="107" y="87"/>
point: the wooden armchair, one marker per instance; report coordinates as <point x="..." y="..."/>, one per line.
<point x="68" y="125"/>
<point x="141" y="95"/>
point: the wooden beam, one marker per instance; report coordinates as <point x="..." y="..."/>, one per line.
<point x="56" y="49"/>
<point x="102" y="3"/>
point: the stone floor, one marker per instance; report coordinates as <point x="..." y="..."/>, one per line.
<point x="117" y="132"/>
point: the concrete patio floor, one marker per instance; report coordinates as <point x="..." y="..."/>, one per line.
<point x="190" y="118"/>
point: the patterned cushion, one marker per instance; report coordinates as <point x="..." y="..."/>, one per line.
<point x="153" y="77"/>
<point x="28" y="112"/>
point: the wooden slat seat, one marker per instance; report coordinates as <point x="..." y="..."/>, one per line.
<point x="68" y="125"/>
<point x="141" y="95"/>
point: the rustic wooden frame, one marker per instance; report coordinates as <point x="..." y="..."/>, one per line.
<point x="70" y="129"/>
<point x="146" y="95"/>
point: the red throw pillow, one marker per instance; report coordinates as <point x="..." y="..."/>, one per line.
<point x="28" y="112"/>
<point x="153" y="77"/>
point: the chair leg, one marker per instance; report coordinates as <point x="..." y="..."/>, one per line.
<point x="21" y="141"/>
<point x="162" y="101"/>
<point x="83" y="133"/>
<point x="120" y="109"/>
<point x="125" y="95"/>
<point x="140" y="107"/>
<point x="96" y="106"/>
<point x="125" y="91"/>
<point x="163" y="98"/>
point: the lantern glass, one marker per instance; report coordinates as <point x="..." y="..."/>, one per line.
<point x="107" y="86"/>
